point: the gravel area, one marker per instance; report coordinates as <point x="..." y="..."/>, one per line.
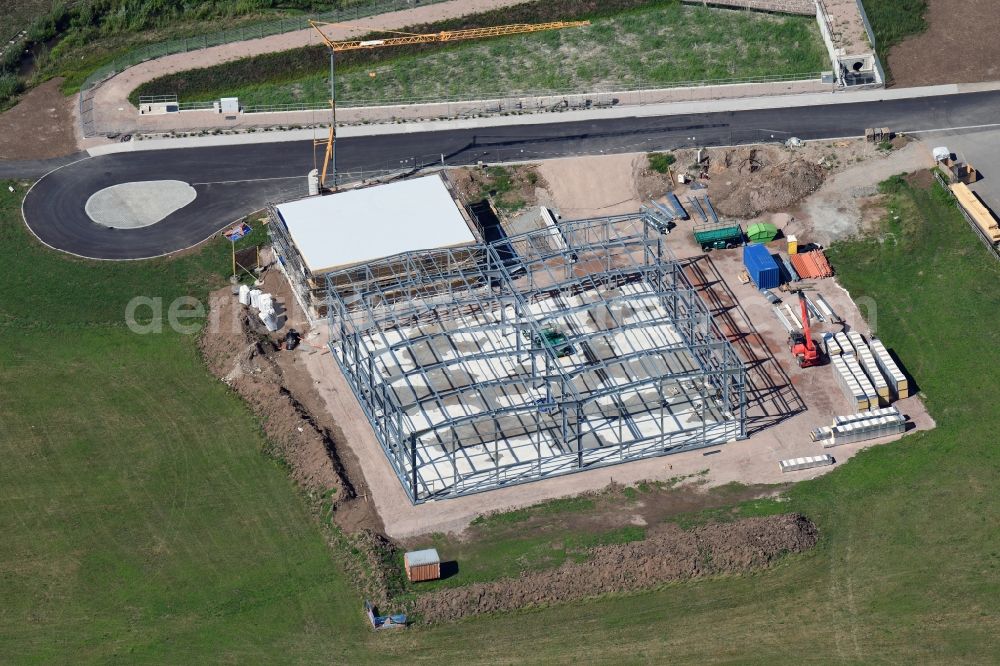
<point x="136" y="205"/>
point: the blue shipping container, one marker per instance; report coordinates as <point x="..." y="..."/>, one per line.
<point x="761" y="266"/>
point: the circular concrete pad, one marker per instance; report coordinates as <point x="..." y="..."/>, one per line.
<point x="136" y="205"/>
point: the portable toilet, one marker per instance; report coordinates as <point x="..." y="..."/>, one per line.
<point x="793" y="245"/>
<point x="761" y="266"/>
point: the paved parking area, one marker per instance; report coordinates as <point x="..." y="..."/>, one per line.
<point x="981" y="149"/>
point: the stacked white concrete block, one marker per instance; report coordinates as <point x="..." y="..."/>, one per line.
<point x="853" y="383"/>
<point x="808" y="462"/>
<point x="898" y="384"/>
<point x="860" y="427"/>
<point x="831" y="346"/>
<point x="846" y="348"/>
<point x="871" y="369"/>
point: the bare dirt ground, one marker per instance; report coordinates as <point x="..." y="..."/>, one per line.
<point x="585" y="187"/>
<point x="240" y="352"/>
<point x="745" y="182"/>
<point x="667" y="554"/>
<point x="959" y="46"/>
<point x="41" y="126"/>
<point x="848" y="201"/>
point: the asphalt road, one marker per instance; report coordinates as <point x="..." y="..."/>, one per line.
<point x="232" y="181"/>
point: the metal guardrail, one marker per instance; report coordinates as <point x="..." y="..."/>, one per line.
<point x="501" y="96"/>
<point x="157" y="99"/>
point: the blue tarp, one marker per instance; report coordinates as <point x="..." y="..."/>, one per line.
<point x="761" y="266"/>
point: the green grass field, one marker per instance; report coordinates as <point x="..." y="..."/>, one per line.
<point x="895" y="20"/>
<point x="140" y="519"/>
<point x="142" y="522"/>
<point x="653" y="46"/>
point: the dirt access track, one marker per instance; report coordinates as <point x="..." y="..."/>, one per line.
<point x="960" y="45"/>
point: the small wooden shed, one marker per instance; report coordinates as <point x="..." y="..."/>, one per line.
<point x="422" y="565"/>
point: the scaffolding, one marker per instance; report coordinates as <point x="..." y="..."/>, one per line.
<point x="541" y="354"/>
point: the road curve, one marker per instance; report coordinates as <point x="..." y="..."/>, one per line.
<point x="232" y="181"/>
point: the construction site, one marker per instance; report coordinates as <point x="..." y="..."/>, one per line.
<point x="465" y="344"/>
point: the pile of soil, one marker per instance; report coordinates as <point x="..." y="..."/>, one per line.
<point x="667" y="554"/>
<point x="748" y="181"/>
<point x="473" y="184"/>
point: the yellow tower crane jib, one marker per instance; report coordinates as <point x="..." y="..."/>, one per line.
<point x="403" y="40"/>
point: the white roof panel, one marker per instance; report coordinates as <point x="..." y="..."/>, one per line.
<point x="357" y="226"/>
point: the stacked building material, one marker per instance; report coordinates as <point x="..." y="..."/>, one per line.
<point x="849" y="384"/>
<point x="854" y="382"/>
<point x="796" y="464"/>
<point x="857" y="341"/>
<point x="977" y="212"/>
<point x="711" y="210"/>
<point x="860" y="427"/>
<point x="826" y="309"/>
<point x="793" y="276"/>
<point x="810" y="265"/>
<point x="846" y="348"/>
<point x="698" y="209"/>
<point x="874" y="401"/>
<point x="898" y="384"/>
<point x="831" y="346"/>
<point x="787" y="325"/>
<point x="814" y="311"/>
<point x="675" y="203"/>
<point x="871" y="368"/>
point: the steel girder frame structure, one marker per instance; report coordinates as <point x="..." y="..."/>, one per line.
<point x="554" y="351"/>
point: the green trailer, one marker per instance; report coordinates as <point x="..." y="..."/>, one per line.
<point x="718" y="236"/>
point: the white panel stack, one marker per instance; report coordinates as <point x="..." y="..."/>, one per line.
<point x="849" y="384"/>
<point x="898" y="384"/>
<point x="861" y="427"/>
<point x="857" y="341"/>
<point x="831" y="346"/>
<point x="874" y="374"/>
<point x="845" y="344"/>
<point x="875" y="413"/>
<point x="796" y="464"/>
<point x="863" y="381"/>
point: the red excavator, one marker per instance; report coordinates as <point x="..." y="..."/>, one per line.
<point x="803" y="347"/>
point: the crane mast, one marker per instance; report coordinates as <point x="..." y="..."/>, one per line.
<point x="330" y="156"/>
